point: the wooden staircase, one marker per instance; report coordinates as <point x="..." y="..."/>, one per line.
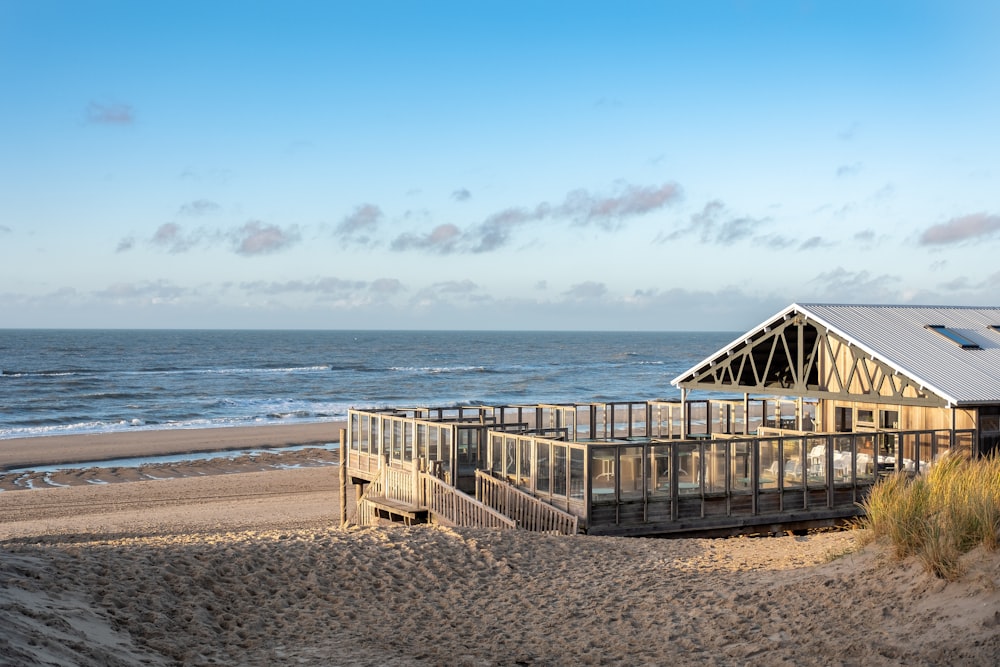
<point x="415" y="496"/>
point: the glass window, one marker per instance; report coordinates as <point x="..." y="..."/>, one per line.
<point x="844" y="420"/>
<point x="989" y="418"/>
<point x="955" y="337"/>
<point x="355" y="431"/>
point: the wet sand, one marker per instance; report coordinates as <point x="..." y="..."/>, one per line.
<point x="55" y="449"/>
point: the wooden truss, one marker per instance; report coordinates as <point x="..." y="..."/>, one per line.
<point x="795" y="356"/>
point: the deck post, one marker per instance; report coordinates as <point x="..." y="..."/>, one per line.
<point x="415" y="475"/>
<point x="343" y="478"/>
<point x="684" y="414"/>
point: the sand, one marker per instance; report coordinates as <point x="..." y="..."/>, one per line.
<point x="220" y="565"/>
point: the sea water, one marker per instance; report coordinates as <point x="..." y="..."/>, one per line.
<point x="86" y="381"/>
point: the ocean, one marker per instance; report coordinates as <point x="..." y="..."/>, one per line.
<point x="87" y="381"/>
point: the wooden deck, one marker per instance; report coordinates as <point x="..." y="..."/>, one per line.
<point x="636" y="483"/>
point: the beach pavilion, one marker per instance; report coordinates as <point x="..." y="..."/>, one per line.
<point x="803" y="414"/>
<point x="870" y="369"/>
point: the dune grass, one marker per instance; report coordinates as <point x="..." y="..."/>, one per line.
<point x="940" y="515"/>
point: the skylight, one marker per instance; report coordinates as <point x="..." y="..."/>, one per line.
<point x="954" y="336"/>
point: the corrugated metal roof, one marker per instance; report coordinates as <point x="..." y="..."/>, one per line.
<point x="898" y="336"/>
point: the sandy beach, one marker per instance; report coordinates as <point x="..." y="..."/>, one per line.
<point x="241" y="561"/>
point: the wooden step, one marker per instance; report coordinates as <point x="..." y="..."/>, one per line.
<point x="401" y="509"/>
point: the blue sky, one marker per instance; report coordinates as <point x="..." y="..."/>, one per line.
<point x="493" y="165"/>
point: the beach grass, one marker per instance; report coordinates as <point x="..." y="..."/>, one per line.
<point x="938" y="516"/>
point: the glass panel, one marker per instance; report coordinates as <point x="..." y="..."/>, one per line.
<point x="374" y="436"/>
<point x="355" y="431"/>
<point x="543" y="473"/>
<point x="792" y="462"/>
<point x="559" y="469"/>
<point x="496" y="454"/>
<point x="886" y="449"/>
<point x="421" y="443"/>
<point x="910" y="447"/>
<point x="816" y="461"/>
<point x="843" y="460"/>
<point x="397" y="440"/>
<point x="408" y="441"/>
<point x="714" y="467"/>
<point x="466" y="453"/>
<point x="446" y="444"/>
<point x="770" y="464"/>
<point x="576" y="455"/>
<point x="602" y="473"/>
<point x="739" y="461"/>
<point x="865" y="466"/>
<point x="688" y="469"/>
<point x="698" y="417"/>
<point x="524" y="462"/>
<point x="510" y="458"/>
<point x="658" y="470"/>
<point x="432" y="444"/>
<point x="386" y="438"/>
<point x="630" y="466"/>
<point x="963" y="443"/>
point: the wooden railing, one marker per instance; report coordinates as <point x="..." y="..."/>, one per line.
<point x="500" y="505"/>
<point x="460" y="509"/>
<point x="529" y="512"/>
<point x="365" y="512"/>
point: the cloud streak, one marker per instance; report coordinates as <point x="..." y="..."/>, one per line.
<point x="110" y="114"/>
<point x="579" y="207"/>
<point x="256" y="238"/>
<point x="964" y="228"/>
<point x="713" y="224"/>
<point x="252" y="238"/>
<point x="362" y="224"/>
